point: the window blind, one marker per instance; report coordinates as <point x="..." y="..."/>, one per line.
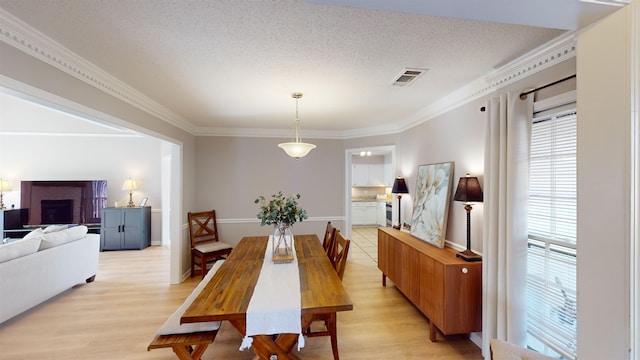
<point x="551" y="254"/>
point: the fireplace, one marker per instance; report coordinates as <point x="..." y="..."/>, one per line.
<point x="48" y="201"/>
<point x="56" y="211"/>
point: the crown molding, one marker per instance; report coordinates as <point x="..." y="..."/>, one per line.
<point x="554" y="52"/>
<point x="23" y="37"/>
<point x="67" y="134"/>
<point x="266" y="133"/>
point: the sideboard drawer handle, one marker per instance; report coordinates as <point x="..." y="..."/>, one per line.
<point x="465" y="270"/>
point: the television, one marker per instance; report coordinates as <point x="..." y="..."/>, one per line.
<point x="64" y="202"/>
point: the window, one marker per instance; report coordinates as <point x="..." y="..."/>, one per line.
<point x="551" y="254"/>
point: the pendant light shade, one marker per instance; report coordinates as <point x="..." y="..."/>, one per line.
<point x="296" y="149"/>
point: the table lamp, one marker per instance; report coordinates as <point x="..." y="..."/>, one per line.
<point x="399" y="187"/>
<point x="469" y="192"/>
<point x="130" y="185"/>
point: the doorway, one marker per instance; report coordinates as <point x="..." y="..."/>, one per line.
<point x="82" y="125"/>
<point x="387" y="152"/>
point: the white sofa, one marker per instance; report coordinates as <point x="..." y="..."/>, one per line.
<point x="59" y="261"/>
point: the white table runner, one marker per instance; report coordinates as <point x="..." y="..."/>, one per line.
<point x="275" y="307"/>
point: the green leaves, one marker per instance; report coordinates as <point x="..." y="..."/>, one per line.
<point x="280" y="209"/>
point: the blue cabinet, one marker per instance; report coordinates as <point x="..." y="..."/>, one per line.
<point x="125" y="228"/>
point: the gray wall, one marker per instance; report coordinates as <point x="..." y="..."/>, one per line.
<point x="233" y="171"/>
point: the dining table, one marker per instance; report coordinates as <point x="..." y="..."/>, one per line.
<point x="227" y="295"/>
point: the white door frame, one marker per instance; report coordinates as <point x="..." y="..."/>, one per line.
<point x="348" y="153"/>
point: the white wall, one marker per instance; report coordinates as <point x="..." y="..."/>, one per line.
<point x="604" y="175"/>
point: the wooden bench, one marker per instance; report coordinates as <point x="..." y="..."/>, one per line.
<point x="188" y="341"/>
<point x="186" y="346"/>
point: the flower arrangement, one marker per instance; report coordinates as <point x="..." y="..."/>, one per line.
<point x="280" y="210"/>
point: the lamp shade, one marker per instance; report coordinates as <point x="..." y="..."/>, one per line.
<point x="468" y="190"/>
<point x="399" y="186"/>
<point x="296" y="149"/>
<point x="4" y="185"/>
<point x="129" y="185"/>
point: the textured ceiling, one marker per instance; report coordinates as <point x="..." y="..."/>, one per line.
<point x="234" y="64"/>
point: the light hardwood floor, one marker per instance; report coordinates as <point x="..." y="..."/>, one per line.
<point x="116" y="316"/>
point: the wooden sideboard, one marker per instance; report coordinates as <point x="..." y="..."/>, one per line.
<point x="445" y="288"/>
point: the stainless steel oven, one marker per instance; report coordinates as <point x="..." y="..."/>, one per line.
<point x="388" y="212"/>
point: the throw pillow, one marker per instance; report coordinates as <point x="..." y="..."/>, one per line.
<point x="35" y="233"/>
<point x="54" y="228"/>
<point x="62" y="237"/>
<point x="19" y="248"/>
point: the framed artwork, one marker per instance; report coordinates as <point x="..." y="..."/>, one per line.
<point x="143" y="203"/>
<point x="431" y="202"/>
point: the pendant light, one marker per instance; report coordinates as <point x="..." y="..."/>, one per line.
<point x="296" y="149"/>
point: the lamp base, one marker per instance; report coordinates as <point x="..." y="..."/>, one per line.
<point x="131" y="204"/>
<point x="469" y="255"/>
<point x="397" y="226"/>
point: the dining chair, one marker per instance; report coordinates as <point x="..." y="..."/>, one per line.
<point x="329" y="239"/>
<point x="205" y="243"/>
<point x="340" y="253"/>
<point x="339" y="262"/>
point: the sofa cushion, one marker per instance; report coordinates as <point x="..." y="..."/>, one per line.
<point x="62" y="237"/>
<point x="19" y="248"/>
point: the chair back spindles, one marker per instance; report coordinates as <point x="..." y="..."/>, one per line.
<point x="205" y="243"/>
<point x="341" y="252"/>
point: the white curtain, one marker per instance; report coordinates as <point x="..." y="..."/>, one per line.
<point x="504" y="242"/>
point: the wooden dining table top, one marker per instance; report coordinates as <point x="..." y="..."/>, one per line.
<point x="226" y="296"/>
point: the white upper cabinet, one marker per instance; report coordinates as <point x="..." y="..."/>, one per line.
<point x="376" y="175"/>
<point x="360" y="175"/>
<point x="369" y="175"/>
<point x="388" y="175"/>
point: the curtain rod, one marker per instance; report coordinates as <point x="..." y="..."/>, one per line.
<point x="524" y="94"/>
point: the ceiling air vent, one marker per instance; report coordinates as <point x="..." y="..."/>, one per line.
<point x="407" y="76"/>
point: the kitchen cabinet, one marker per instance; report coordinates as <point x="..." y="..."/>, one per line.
<point x="360" y="175"/>
<point x="364" y="213"/>
<point x="387" y="175"/>
<point x="125" y="228"/>
<point x="370" y="213"/>
<point x="368" y="175"/>
<point x="357" y="213"/>
<point x="376" y="175"/>
<point x="381" y="215"/>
